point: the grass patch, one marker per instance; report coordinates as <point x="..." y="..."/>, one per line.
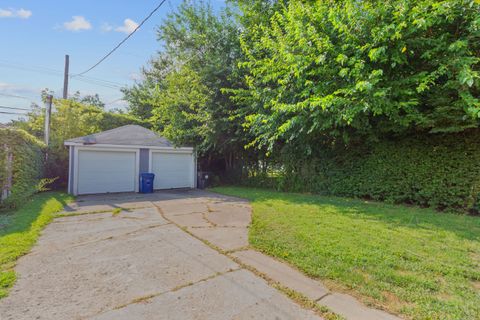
<point x="116" y="211"/>
<point x="20" y="230"/>
<point x="324" y="312"/>
<point x="416" y="262"/>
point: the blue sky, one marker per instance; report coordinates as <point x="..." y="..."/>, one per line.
<point x="36" y="35"/>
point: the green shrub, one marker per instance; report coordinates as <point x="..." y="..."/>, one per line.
<point x="28" y="164"/>
<point x="435" y="170"/>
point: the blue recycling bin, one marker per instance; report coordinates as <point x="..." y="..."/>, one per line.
<point x="146" y="182"/>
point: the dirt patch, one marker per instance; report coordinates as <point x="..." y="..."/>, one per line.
<point x="393" y="301"/>
<point x="475" y="257"/>
<point x="476" y="285"/>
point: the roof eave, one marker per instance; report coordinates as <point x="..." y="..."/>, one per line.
<point x="99" y="145"/>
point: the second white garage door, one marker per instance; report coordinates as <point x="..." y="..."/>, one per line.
<point x="172" y="170"/>
<point x="106" y="171"/>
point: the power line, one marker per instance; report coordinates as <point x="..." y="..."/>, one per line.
<point x="112" y="102"/>
<point x="20" y="65"/>
<point x="16" y="113"/>
<point x="14" y="96"/>
<point x="90" y="80"/>
<point x="102" y="80"/>
<point x="14" y="108"/>
<point x="106" y="85"/>
<point x="123" y="41"/>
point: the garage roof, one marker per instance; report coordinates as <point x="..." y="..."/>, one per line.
<point x="130" y="135"/>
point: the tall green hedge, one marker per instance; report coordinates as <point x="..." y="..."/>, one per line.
<point x="436" y="170"/>
<point x="28" y="164"/>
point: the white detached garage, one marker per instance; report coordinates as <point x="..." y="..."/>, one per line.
<point x="111" y="161"/>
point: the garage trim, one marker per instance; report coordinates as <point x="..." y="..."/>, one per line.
<point x="139" y="143"/>
<point x="97" y="148"/>
<point x="119" y="146"/>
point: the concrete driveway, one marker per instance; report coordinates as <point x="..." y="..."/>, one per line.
<point x="146" y="262"/>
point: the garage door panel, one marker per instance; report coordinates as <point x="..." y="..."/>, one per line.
<point x="172" y="170"/>
<point x="106" y="171"/>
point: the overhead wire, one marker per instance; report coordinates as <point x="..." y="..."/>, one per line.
<point x="14" y="96"/>
<point x="15" y="113"/>
<point x="14" y="108"/>
<point x="14" y="65"/>
<point x="43" y="70"/>
<point x="112" y="102"/>
<point x="100" y="82"/>
<point x="123" y="41"/>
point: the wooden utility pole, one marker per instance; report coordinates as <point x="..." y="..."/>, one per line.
<point x="48" y="112"/>
<point x="65" y="77"/>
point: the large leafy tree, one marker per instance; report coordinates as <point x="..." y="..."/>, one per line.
<point x="324" y="69"/>
<point x="89" y="100"/>
<point x="186" y="89"/>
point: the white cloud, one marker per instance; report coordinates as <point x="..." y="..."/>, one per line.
<point x="24" y="14"/>
<point x="15" y="13"/>
<point x="106" y="27"/>
<point x="128" y="26"/>
<point x="6" y="13"/>
<point x="78" y="23"/>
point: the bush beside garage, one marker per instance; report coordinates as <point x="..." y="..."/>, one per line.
<point x="22" y="166"/>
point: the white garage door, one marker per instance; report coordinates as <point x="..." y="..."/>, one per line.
<point x="106" y="171"/>
<point x="172" y="170"/>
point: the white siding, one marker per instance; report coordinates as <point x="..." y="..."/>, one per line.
<point x="172" y="170"/>
<point x="106" y="171"/>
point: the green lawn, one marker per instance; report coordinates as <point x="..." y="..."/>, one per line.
<point x="412" y="261"/>
<point x="20" y="229"/>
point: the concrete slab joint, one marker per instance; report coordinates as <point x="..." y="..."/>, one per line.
<point x="224" y="225"/>
<point x="178" y="254"/>
<point x="283" y="274"/>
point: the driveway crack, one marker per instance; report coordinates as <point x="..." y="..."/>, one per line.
<point x="122" y="235"/>
<point x="113" y="236"/>
<point x="204" y="216"/>
<point x="145" y="298"/>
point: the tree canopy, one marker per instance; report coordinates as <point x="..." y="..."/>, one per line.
<point x="336" y="69"/>
<point x="186" y="91"/>
<point x="275" y="73"/>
